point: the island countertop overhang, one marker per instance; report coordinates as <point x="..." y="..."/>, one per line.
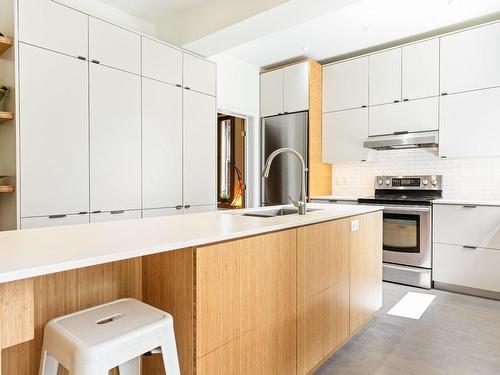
<point x="36" y="252"/>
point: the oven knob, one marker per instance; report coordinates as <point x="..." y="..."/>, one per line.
<point x="434" y="181"/>
<point x="387" y="182"/>
<point x="425" y="182"/>
<point x="380" y="181"/>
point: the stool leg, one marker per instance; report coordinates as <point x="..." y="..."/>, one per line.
<point x="169" y="352"/>
<point x="132" y="367"/>
<point x="48" y="365"/>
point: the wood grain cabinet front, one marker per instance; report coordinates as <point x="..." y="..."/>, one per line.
<point x="246" y="306"/>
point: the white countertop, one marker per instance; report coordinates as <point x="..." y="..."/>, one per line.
<point x="35" y="252"/>
<point x="466" y="201"/>
<point x="335" y="198"/>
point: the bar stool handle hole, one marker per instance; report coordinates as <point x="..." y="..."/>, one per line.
<point x="110" y="319"/>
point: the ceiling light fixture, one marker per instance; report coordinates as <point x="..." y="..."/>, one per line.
<point x="306" y="49"/>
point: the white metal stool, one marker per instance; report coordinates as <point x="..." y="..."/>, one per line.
<point x="93" y="341"/>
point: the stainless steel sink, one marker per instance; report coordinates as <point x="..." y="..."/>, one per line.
<point x="277" y="212"/>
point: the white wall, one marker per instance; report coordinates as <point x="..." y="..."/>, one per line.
<point x="462" y="178"/>
<point x="111" y="14"/>
<point x="238" y="87"/>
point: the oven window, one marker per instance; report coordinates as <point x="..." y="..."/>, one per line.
<point x="402" y="233"/>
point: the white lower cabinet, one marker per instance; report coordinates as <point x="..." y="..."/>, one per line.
<point x="158" y="212"/>
<point x="343" y="135"/>
<point x="199" y="149"/>
<point x="53" y="221"/>
<point x="115" y="139"/>
<point x="411" y="116"/>
<point x="472" y="268"/>
<point x="469" y="124"/>
<point x="53" y="129"/>
<point x="468" y="225"/>
<point x="100" y="217"/>
<point x="161" y="144"/>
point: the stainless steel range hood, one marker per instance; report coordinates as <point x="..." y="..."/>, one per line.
<point x="403" y="141"/>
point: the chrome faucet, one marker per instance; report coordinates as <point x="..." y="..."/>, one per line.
<point x="301" y="203"/>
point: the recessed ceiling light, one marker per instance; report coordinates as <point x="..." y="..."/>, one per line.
<point x="368" y="29"/>
<point x="306" y="49"/>
<point x="450" y="2"/>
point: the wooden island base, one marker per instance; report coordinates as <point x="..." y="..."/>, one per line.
<point x="277" y="303"/>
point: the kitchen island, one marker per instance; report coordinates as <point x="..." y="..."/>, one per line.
<point x="249" y="295"/>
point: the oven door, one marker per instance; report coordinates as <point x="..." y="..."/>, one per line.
<point x="407" y="235"/>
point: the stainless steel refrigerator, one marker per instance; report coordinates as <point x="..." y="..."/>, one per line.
<point x="290" y="131"/>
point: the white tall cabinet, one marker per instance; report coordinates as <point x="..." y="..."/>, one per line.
<point x="113" y="125"/>
<point x="115" y="139"/>
<point x="53" y="138"/>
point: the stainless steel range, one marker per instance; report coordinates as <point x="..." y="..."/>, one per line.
<point x="407" y="226"/>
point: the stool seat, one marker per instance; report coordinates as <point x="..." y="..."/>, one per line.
<point x="109" y="335"/>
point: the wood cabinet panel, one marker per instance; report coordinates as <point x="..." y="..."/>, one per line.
<point x="365" y="268"/>
<point x="248" y="286"/>
<point x="322" y="290"/>
<point x="322" y="257"/>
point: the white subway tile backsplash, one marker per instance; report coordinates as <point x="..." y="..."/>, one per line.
<point x="477" y="179"/>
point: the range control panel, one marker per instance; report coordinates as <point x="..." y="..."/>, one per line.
<point x="428" y="182"/>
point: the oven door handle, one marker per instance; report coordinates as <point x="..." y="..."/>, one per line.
<point x="408" y="209"/>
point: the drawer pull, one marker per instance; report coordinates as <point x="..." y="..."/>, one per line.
<point x="178" y="207"/>
<point x="470" y="206"/>
<point x="57" y="216"/>
<point x="332" y="200"/>
<point x="469" y="247"/>
<point x="117" y="212"/>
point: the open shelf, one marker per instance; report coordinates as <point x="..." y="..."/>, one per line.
<point x="7" y="189"/>
<point x="5" y="44"/>
<point x="6" y="116"/>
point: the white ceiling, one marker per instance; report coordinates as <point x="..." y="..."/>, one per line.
<point x="155" y="10"/>
<point x="359" y="26"/>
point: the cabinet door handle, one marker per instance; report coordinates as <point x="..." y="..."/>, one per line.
<point x="117" y="212"/>
<point x="96" y="61"/>
<point x="187" y="206"/>
<point x="82" y="58"/>
<point x="401" y="132"/>
<point x="396" y="101"/>
<point x="469" y="247"/>
<point x="57" y="216"/>
<point x="83" y="213"/>
<point x="332" y="200"/>
<point x="363" y="106"/>
<point x="178" y="85"/>
<point x="405" y="100"/>
<point x="178" y="207"/>
<point x="470" y="206"/>
<point x="96" y="212"/>
<point x="444" y="94"/>
<point x="187" y="88"/>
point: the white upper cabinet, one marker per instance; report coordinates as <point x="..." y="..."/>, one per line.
<point x="271" y="93"/>
<point x="115" y="139"/>
<point x="385" y="77"/>
<point x="420" y="69"/>
<point x="285" y="90"/>
<point x="470" y="59"/>
<point x="114" y="46"/>
<point x="199" y="74"/>
<point x="345" y="85"/>
<point x="412" y="116"/>
<point x="50" y="25"/>
<point x="296" y="88"/>
<point x="469" y="124"/>
<point x="161" y="62"/>
<point x="161" y="144"/>
<point x="200" y="150"/>
<point x="343" y="135"/>
<point x="53" y="133"/>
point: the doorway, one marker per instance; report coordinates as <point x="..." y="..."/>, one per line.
<point x="231" y="173"/>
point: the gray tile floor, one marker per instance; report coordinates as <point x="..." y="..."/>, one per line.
<point x="457" y="335"/>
